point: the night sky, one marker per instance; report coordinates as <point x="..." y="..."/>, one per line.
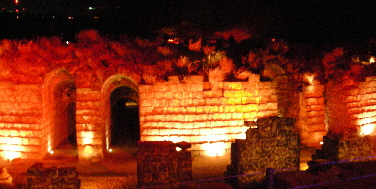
<point x="296" y="21"/>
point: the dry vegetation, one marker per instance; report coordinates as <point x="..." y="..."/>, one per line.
<point x="92" y="58"/>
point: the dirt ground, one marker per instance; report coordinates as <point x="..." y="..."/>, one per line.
<point x="119" y="170"/>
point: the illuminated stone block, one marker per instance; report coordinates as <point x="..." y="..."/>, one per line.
<point x="195" y="131"/>
<point x="164" y="132"/>
<point x="238" y="94"/>
<point x="197" y="87"/>
<point x="205" y="131"/>
<point x="212" y="93"/>
<point x="159" y="117"/>
<point x="183" y="87"/>
<point x="35" y="141"/>
<point x="315" y="113"/>
<point x="217" y="131"/>
<point x="246" y="100"/>
<point x="232" y="85"/>
<point x="149" y="118"/>
<point x="272" y="105"/>
<point x="200" y="109"/>
<point x="315" y="127"/>
<point x="314" y="101"/>
<point x="173" y="79"/>
<point x="177" y="94"/>
<point x="200" y="124"/>
<point x="187" y="102"/>
<point x="234" y="123"/>
<point x="320" y="119"/>
<point x="157" y="94"/>
<point x="215" y="101"/>
<point x="228" y="94"/>
<point x="196" y="79"/>
<point x="14" y="133"/>
<point x="238" y="115"/>
<point x="313" y="90"/>
<point x="174" y="102"/>
<point x="159" y="110"/>
<point x="173" y="87"/>
<point x="160" y="86"/>
<point x="254" y="78"/>
<point x="191" y="109"/>
<point x="191" y="117"/>
<point x="143" y="102"/>
<point x="144" y="88"/>
<point x="239" y="108"/>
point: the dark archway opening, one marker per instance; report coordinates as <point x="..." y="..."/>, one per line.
<point x="125" y="122"/>
<point x="63" y="135"/>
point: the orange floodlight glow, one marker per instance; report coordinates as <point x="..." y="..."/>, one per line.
<point x="372" y="60"/>
<point x="87" y="137"/>
<point x="11" y="152"/>
<point x="367" y="129"/>
<point x="214" y="149"/>
<point x="367" y="126"/>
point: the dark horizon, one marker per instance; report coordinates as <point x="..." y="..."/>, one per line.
<point x="311" y="22"/>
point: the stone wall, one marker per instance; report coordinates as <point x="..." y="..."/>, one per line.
<point x="361" y="106"/>
<point x="52" y="177"/>
<point x="89" y="123"/>
<point x="20" y="121"/>
<point x="195" y="113"/>
<point x="351" y="106"/>
<point x="311" y="120"/>
<point x="160" y="165"/>
<point x="273" y="144"/>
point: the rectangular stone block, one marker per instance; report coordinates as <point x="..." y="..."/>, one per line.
<point x="315" y="113"/>
<point x="205" y="131"/>
<point x="232" y="85"/>
<point x="238" y="94"/>
<point x="144" y="88"/>
<point x="197" y="87"/>
<point x="158" y="94"/>
<point x="173" y="79"/>
<point x="314" y="101"/>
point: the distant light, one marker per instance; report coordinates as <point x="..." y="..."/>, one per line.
<point x="178" y="149"/>
<point x="131" y="103"/>
<point x="53" y="16"/>
<point x="70" y="17"/>
<point x="110" y="150"/>
<point x="321" y="142"/>
<point x="96" y="17"/>
<point x="372" y="59"/>
<point x="16" y="2"/>
<point x="17" y="10"/>
<point x="67" y="42"/>
<point x="91" y="8"/>
<point x="51" y="152"/>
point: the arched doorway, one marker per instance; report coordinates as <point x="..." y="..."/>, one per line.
<point x="58" y="138"/>
<point x="63" y="134"/>
<point x="125" y="124"/>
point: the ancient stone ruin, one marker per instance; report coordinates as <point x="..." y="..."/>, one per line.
<point x="52" y="92"/>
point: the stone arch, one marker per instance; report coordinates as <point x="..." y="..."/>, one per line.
<point x="113" y="83"/>
<point x="59" y="98"/>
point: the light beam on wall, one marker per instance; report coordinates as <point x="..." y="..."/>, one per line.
<point x="367" y="126"/>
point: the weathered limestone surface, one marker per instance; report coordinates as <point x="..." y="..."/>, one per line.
<point x="52" y="177"/>
<point x="20" y="120"/>
<point x="273" y="144"/>
<point x="89" y="123"/>
<point x="186" y="112"/>
<point x="159" y="164"/>
<point x="311" y="120"/>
